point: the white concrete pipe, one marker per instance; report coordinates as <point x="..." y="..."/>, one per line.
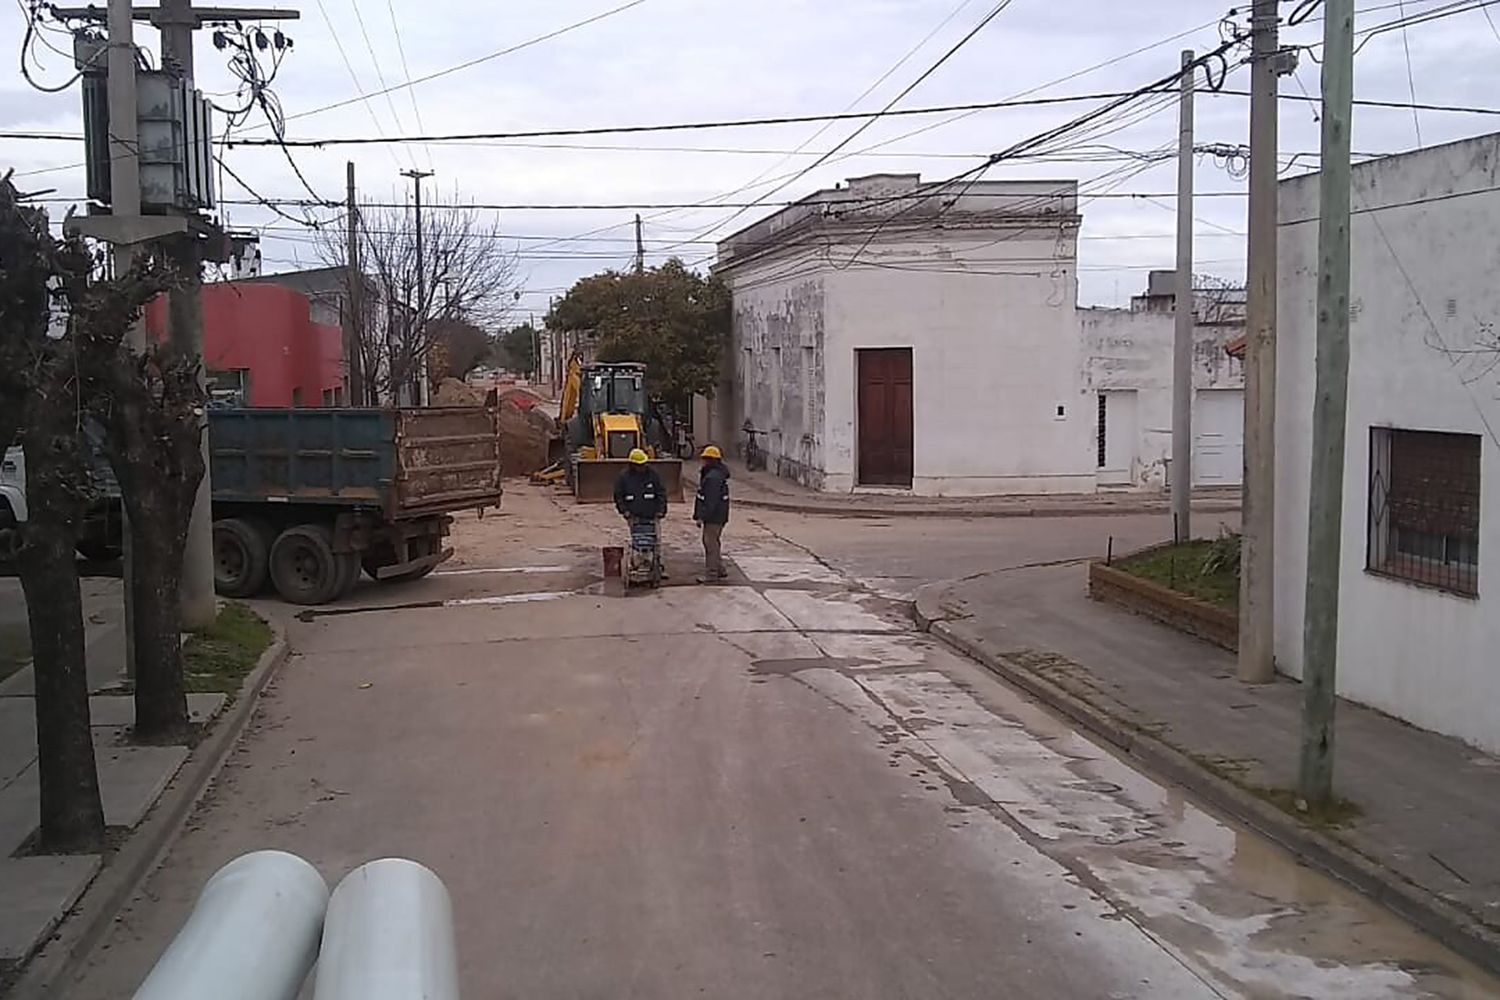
<point x="252" y="935"/>
<point x="388" y="936"/>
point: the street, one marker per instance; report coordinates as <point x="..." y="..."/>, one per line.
<point x="776" y="787"/>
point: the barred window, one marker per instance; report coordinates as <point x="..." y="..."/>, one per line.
<point x="1424" y="508"/>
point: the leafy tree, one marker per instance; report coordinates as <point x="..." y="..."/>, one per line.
<point x="668" y="317"/>
<point x="458" y="347"/>
<point x="517" y="349"/>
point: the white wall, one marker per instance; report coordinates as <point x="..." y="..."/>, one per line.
<point x="993" y="332"/>
<point x="1132" y="350"/>
<point x="1425" y="309"/>
<point x="780" y="319"/>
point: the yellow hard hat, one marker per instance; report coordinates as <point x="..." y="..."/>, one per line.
<point x="637" y="457"/>
<point x="712" y="451"/>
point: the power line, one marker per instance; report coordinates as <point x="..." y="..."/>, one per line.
<point x="411" y="91"/>
<point x="353" y="76"/>
<point x="475" y="62"/>
<point x="379" y="73"/>
<point x="872" y="119"/>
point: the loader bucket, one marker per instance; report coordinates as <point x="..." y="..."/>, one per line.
<point x="594" y="478"/>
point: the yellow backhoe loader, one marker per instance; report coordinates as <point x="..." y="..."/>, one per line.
<point x="604" y="414"/>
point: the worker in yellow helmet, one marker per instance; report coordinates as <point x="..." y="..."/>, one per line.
<point x="639" y="491"/>
<point x="711" y="511"/>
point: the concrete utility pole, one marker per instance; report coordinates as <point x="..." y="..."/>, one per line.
<point x="1257" y="661"/>
<point x="1182" y="341"/>
<point x="176" y="20"/>
<point x="177" y="23"/>
<point x="640" y="246"/>
<point x="1320" y="627"/>
<point x="416" y="179"/>
<point x="353" y="330"/>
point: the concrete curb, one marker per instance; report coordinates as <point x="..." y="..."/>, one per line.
<point x="51" y="969"/>
<point x="1453" y="926"/>
<point x="856" y="506"/>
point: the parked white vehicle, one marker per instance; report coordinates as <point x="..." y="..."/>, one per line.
<point x="12" y="488"/>
<point x="100" y="534"/>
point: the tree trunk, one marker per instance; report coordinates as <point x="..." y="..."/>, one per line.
<point x="158" y="465"/>
<point x="72" y="817"/>
<point x="156" y="563"/>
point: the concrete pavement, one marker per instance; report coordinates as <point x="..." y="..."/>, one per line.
<point x="1428" y="806"/>
<point x="39" y="890"/>
<point x="767" y="789"/>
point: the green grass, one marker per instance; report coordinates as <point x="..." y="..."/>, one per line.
<point x="217" y="659"/>
<point x="1180" y="567"/>
<point x="15" y="648"/>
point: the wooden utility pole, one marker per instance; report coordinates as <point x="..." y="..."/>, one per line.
<point x="1257" y="661"/>
<point x="354" y="331"/>
<point x="1320" y="627"/>
<point x="1182" y="340"/>
<point x="640" y="246"/>
<point x="419" y="348"/>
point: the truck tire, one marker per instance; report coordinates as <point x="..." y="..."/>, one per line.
<point x="304" y="567"/>
<point x="242" y="551"/>
<point x="348" y="573"/>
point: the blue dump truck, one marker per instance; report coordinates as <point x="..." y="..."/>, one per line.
<point x="306" y="499"/>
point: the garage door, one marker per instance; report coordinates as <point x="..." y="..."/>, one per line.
<point x="1219" y="437"/>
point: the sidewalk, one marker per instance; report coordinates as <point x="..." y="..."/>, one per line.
<point x="1423" y="843"/>
<point x="764" y="491"/>
<point x="39" y="890"/>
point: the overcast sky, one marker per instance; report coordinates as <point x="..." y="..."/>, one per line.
<point x="695" y="60"/>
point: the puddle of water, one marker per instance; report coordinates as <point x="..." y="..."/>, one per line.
<point x="1235" y="908"/>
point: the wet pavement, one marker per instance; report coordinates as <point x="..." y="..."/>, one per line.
<point x="770" y="788"/>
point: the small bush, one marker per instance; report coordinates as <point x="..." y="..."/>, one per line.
<point x="1223" y="557"/>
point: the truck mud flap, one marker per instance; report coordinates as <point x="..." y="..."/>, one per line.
<point x="413" y="567"/>
<point x="594" y="478"/>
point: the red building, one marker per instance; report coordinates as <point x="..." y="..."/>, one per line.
<point x="262" y="347"/>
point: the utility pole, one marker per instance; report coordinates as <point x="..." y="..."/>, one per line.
<point x="640" y="246"/>
<point x="354" y="332"/>
<point x="1320" y="627"/>
<point x="176" y="21"/>
<point x="125" y="203"/>
<point x="420" y="347"/>
<point x="1256" y="657"/>
<point x="1182" y="340"/>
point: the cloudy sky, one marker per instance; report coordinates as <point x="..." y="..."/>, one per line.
<point x="661" y="61"/>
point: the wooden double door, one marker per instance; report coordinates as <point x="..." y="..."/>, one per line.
<point x="885" y="416"/>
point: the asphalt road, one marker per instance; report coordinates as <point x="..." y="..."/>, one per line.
<point x="772" y="788"/>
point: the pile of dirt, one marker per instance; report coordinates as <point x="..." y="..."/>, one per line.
<point x="525" y="430"/>
<point x="455" y="392"/>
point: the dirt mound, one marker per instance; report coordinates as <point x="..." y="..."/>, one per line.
<point x="454" y="392"/>
<point x="525" y="430"/>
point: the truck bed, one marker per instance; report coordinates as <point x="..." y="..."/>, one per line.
<point x="407" y="462"/>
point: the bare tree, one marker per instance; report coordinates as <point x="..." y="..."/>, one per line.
<point x="465" y="272"/>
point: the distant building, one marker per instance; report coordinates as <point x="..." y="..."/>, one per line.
<point x="1420" y="576"/>
<point x="1128" y="370"/>
<point x="262" y="347"/>
<point x="895" y="334"/>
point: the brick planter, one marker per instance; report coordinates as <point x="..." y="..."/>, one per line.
<point x="1186" y="614"/>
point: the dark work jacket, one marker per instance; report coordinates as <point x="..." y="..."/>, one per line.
<point x="639" y="493"/>
<point x="712" y="504"/>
